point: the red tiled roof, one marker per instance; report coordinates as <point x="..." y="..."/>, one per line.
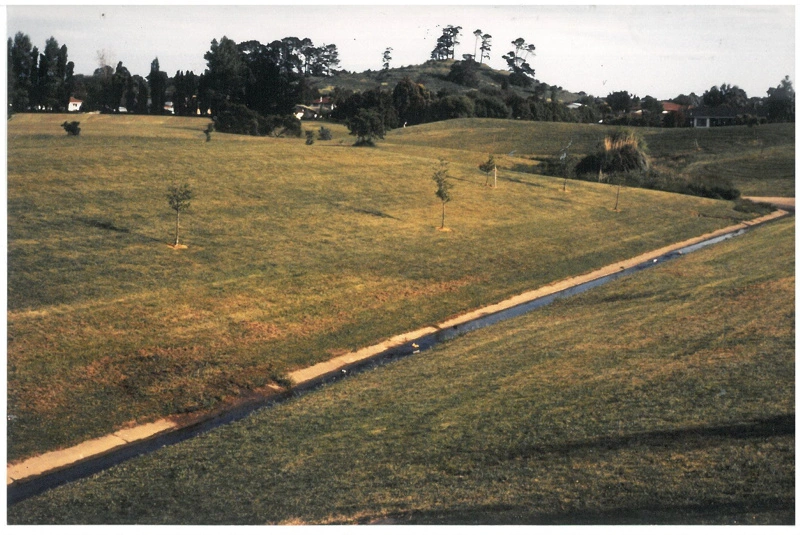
<point x="671" y="106"/>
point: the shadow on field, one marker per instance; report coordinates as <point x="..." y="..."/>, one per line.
<point x="523" y="182"/>
<point x="367" y="211"/>
<point x="688" y="438"/>
<point x="752" y="511"/>
<point x="103" y="224"/>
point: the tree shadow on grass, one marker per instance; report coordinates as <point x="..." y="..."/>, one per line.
<point x="523" y="182"/>
<point x="103" y="224"/>
<point x="759" y="510"/>
<point x="690" y="437"/>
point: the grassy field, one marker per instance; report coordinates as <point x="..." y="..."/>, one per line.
<point x="295" y="253"/>
<point x="663" y="398"/>
<point x="760" y="160"/>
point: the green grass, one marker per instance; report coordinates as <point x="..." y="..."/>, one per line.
<point x="759" y="162"/>
<point x="663" y="398"/>
<point x="296" y="253"/>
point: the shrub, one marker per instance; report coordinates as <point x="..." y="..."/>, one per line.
<point x="325" y="134"/>
<point x="366" y="125"/>
<point x="309" y="137"/>
<point x="454" y="107"/>
<point x="491" y="107"/>
<point x="290" y="125"/>
<point x="72" y="128"/>
<point x="749" y="207"/>
<point x="713" y="187"/>
<point x="239" y="119"/>
<point x="620" y="152"/>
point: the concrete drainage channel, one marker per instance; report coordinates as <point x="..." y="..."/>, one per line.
<point x="427" y="338"/>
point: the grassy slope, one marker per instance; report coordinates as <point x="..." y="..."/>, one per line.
<point x="760" y="162"/>
<point x="666" y="397"/>
<point x="295" y="253"/>
<point x="431" y="74"/>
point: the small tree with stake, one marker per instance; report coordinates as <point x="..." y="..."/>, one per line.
<point x="487" y="167"/>
<point x="179" y="199"/>
<point x="443" y="186"/>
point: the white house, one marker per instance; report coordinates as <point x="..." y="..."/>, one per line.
<point x="74" y="104"/>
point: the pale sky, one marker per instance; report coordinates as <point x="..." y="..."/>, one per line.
<point x="661" y="51"/>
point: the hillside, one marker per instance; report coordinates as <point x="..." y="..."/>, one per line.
<point x="760" y="161"/>
<point x="663" y="398"/>
<point x="432" y="74"/>
<point x="295" y="253"/>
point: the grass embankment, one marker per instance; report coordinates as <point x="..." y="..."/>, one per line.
<point x="296" y="253"/>
<point x="666" y="397"/>
<point x="759" y="161"/>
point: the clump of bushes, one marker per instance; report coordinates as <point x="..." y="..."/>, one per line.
<point x="622" y="159"/>
<point x="325" y="134"/>
<point x="72" y="127"/>
<point x="622" y="151"/>
<point x="239" y="119"/>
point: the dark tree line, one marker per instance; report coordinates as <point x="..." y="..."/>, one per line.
<point x="38" y="81"/>
<point x="268" y="79"/>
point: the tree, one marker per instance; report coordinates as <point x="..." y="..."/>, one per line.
<point x="780" y="102"/>
<point x="443" y="185"/>
<point x="21" y="68"/>
<point x="464" y="73"/>
<point x="158" y="88"/>
<point x="487" y="167"/>
<point x="620" y="101"/>
<point x="411" y="101"/>
<point x="446" y="44"/>
<point x="521" y="72"/>
<point x="387" y="57"/>
<point x="119" y="82"/>
<point x="184" y="97"/>
<point x="725" y="95"/>
<point x="486" y="46"/>
<point x="477" y="34"/>
<point x="226" y="75"/>
<point x="179" y="197"/>
<point x="48" y="89"/>
<point x="366" y="125"/>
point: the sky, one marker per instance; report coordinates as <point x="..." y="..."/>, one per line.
<point x="662" y="51"/>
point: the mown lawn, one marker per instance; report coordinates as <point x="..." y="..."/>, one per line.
<point x="295" y="253"/>
<point x="663" y="398"/>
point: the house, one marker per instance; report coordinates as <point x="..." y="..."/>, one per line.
<point x="323" y="105"/>
<point x="574" y="106"/>
<point x="169" y="108"/>
<point x="706" y="117"/>
<point x="671" y="107"/>
<point x="305" y="113"/>
<point x="74" y="104"/>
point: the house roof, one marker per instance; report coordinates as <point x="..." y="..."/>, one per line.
<point x="671" y="106"/>
<point x="73" y="99"/>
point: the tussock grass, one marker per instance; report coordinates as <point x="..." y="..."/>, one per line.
<point x="663" y="398"/>
<point x="295" y="253"/>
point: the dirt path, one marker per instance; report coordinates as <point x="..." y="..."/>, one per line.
<point x="33" y="468"/>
